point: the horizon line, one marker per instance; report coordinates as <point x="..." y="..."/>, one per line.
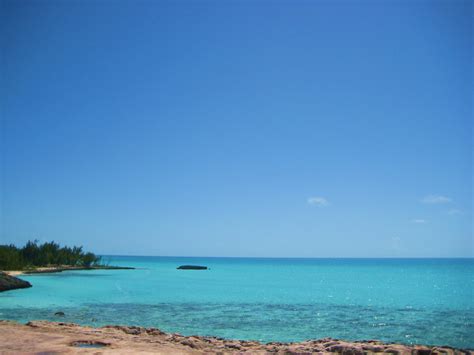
<point x="291" y="257"/>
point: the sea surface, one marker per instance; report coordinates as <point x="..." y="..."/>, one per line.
<point x="422" y="301"/>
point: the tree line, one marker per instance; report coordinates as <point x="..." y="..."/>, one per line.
<point x="34" y="255"/>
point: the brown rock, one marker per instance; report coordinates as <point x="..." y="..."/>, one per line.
<point x="373" y="348"/>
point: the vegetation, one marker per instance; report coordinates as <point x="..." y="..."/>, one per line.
<point x="34" y="255"/>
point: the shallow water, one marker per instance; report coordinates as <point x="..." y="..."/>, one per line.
<point x="428" y="301"/>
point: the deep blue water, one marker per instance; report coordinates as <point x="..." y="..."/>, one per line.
<point x="428" y="301"/>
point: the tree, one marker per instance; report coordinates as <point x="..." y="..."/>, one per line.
<point x="46" y="254"/>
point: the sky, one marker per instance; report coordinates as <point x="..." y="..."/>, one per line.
<point x="238" y="128"/>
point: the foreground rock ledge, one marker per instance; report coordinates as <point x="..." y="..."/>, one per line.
<point x="52" y="337"/>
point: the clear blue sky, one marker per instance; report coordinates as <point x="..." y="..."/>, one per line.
<point x="238" y="128"/>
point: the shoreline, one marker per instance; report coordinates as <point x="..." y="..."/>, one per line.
<point x="60" y="337"/>
<point x="9" y="280"/>
<point x="54" y="269"/>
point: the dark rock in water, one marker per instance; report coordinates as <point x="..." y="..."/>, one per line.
<point x="61" y="314"/>
<point x="191" y="267"/>
<point x="8" y="282"/>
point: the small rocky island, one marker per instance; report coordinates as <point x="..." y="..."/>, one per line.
<point x="192" y="267"/>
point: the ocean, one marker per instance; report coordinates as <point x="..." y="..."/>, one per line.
<point x="411" y="301"/>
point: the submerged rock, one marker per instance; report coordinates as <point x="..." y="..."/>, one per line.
<point x="8" y="282"/>
<point x="60" y="314"/>
<point x="192" y="267"/>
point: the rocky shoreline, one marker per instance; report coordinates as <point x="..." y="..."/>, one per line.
<point x="8" y="282"/>
<point x="53" y="269"/>
<point x="42" y="336"/>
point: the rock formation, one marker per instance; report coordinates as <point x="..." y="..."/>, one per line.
<point x="191" y="267"/>
<point x="49" y="337"/>
<point x="8" y="282"/>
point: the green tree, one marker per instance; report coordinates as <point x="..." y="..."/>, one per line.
<point x="33" y="254"/>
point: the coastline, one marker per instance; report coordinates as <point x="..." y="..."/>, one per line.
<point x="9" y="279"/>
<point x="53" y="269"/>
<point x="59" y="337"/>
<point x="176" y="320"/>
<point x="8" y="282"/>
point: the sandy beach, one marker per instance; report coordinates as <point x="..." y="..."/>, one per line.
<point x="53" y="269"/>
<point x="40" y="337"/>
<point x="14" y="273"/>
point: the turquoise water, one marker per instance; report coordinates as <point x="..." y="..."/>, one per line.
<point x="428" y="301"/>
